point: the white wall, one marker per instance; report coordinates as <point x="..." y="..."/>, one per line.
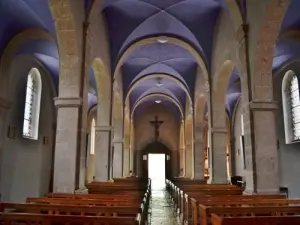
<point x="26" y="164"/>
<point x="289" y="154"/>
<point x="238" y="154"/>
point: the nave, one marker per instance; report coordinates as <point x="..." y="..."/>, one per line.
<point x="90" y="89"/>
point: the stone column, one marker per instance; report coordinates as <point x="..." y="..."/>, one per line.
<point x="131" y="146"/>
<point x="126" y="161"/>
<point x="261" y="169"/>
<point x="118" y="159"/>
<point x="102" y="148"/>
<point x="188" y="160"/>
<point x="199" y="152"/>
<point x="66" y="149"/>
<point x="175" y="163"/>
<point x="261" y="173"/>
<point x="182" y="162"/>
<point x="218" y="164"/>
<point x="139" y="162"/>
<point x="4" y="107"/>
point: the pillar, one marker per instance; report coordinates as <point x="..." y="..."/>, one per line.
<point x="139" y="163"/>
<point x="102" y="148"/>
<point x="66" y="147"/>
<point x="181" y="162"/>
<point x="118" y="159"/>
<point x="261" y="172"/>
<point x="189" y="159"/>
<point x="261" y="168"/>
<point x="175" y="163"/>
<point x="131" y="151"/>
<point x="199" y="152"/>
<point x="4" y="107"/>
<point x="126" y="161"/>
<point x="218" y="162"/>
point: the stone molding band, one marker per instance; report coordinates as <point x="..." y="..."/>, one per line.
<point x="218" y="130"/>
<point x="263" y="106"/>
<point x="103" y="128"/>
<point x="118" y="141"/>
<point x="68" y="102"/>
<point x="5" y="104"/>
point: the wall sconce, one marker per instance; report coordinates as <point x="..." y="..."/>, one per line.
<point x="145" y="157"/>
<point x="11" y="132"/>
<point x="45" y="140"/>
<point x="168" y="157"/>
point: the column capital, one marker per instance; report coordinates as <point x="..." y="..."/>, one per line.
<point x="103" y="128"/>
<point x="68" y="102"/>
<point x="218" y="130"/>
<point x="263" y="106"/>
<point x="4" y="103"/>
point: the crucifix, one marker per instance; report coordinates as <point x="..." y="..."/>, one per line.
<point x="156" y="123"/>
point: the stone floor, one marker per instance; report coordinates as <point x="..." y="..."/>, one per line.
<point x="161" y="210"/>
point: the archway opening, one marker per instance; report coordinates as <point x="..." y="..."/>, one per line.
<point x="157" y="170"/>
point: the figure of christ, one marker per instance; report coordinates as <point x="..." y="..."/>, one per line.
<point x="156" y="123"/>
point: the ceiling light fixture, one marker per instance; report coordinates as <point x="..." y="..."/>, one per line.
<point x="158" y="84"/>
<point x="157" y="101"/>
<point x="162" y="40"/>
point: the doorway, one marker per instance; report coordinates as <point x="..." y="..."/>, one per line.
<point x="157" y="170"/>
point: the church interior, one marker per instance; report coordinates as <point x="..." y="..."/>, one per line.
<point x="149" y="112"/>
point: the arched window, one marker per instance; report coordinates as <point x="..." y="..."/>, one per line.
<point x="32" y="105"/>
<point x="291" y="107"/>
<point x="93" y="132"/>
<point x="295" y="107"/>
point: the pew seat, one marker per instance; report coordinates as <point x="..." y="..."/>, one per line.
<point x="206" y="212"/>
<point x="25" y="218"/>
<point x="263" y="220"/>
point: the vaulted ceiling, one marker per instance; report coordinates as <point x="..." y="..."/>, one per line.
<point x="288" y="48"/>
<point x="191" y="21"/>
<point x="158" y="71"/>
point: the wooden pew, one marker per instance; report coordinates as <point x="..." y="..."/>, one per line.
<point x="124" y="201"/>
<point x="92" y="202"/>
<point x="129" y="195"/>
<point x="118" y="187"/>
<point x="224" y="201"/>
<point x="19" y="218"/>
<point x="115" y="211"/>
<point x="264" y="220"/>
<point x="250" y="212"/>
<point x="204" y="192"/>
<point x="180" y="194"/>
<point x="206" y="209"/>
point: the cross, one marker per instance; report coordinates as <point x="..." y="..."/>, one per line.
<point x="156" y="123"/>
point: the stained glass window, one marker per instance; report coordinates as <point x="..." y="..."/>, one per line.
<point x="295" y="107"/>
<point x="93" y="133"/>
<point x="27" y="127"/>
<point x="32" y="105"/>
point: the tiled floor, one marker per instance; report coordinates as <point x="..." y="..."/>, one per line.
<point x="161" y="209"/>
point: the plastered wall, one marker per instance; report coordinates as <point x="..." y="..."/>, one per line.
<point x="26" y="164"/>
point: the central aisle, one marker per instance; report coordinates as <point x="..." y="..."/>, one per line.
<point x="161" y="209"/>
